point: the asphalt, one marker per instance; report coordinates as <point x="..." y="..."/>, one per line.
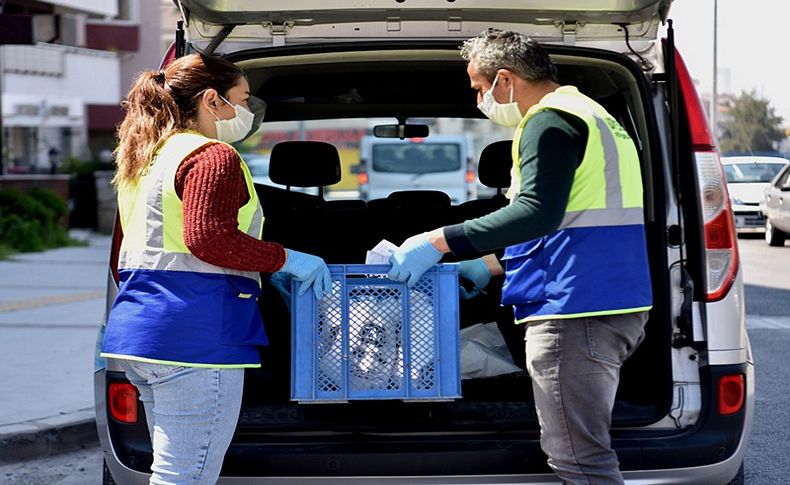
<point x="51" y="306"/>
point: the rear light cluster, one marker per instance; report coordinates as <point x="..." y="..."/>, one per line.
<point x="122" y="399"/>
<point x="732" y="393"/>
<point x="721" y="247"/>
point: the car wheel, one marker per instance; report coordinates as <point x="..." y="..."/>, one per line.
<point x="773" y="236"/>
<point x="106" y="477"/>
<point x="738" y="479"/>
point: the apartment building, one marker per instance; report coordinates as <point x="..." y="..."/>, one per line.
<point x="61" y="93"/>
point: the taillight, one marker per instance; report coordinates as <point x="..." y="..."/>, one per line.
<point x="721" y="247"/>
<point x="169" y="57"/>
<point x="362" y="178"/>
<point x="122" y="400"/>
<point x="470" y="177"/>
<point x="732" y="394"/>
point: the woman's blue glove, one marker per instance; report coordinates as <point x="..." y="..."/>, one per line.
<point x="475" y="271"/>
<point x="412" y="259"/>
<point x="310" y="270"/>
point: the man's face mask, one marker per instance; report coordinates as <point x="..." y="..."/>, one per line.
<point x="236" y="128"/>
<point x="505" y="114"/>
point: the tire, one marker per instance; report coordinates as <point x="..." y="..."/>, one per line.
<point x="773" y="236"/>
<point x="738" y="479"/>
<point x="106" y="477"/>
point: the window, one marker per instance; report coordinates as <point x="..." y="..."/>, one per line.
<point x="751" y="172"/>
<point x="416" y="158"/>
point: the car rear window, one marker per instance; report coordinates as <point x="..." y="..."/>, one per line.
<point x="751" y="172"/>
<point x="416" y="158"/>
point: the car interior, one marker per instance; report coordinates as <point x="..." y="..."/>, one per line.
<point x="344" y="85"/>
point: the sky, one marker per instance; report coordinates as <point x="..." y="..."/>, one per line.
<point x="753" y="47"/>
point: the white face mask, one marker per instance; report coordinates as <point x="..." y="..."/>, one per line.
<point x="505" y="114"/>
<point x="236" y="128"/>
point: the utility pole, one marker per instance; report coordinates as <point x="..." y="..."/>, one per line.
<point x="714" y="101"/>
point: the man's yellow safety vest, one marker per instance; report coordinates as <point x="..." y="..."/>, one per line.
<point x="596" y="262"/>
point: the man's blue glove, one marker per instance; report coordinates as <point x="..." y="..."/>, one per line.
<point x="412" y="259"/>
<point x="475" y="271"/>
<point x="310" y="270"/>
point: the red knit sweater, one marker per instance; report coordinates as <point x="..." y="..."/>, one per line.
<point x="211" y="185"/>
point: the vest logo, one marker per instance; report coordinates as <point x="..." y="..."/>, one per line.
<point x="617" y="128"/>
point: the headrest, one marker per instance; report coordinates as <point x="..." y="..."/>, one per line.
<point x="304" y="164"/>
<point x="418" y="198"/>
<point x="495" y="164"/>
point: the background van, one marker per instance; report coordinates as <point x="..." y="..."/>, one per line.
<point x="438" y="162"/>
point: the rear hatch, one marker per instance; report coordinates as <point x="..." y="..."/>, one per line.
<point x="250" y="22"/>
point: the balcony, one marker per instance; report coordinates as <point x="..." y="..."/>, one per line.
<point x="49" y="71"/>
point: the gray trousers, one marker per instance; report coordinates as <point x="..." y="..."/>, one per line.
<point x="575" y="370"/>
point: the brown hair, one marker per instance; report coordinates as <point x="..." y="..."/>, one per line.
<point x="163" y="102"/>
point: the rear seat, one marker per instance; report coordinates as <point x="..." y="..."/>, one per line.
<point x="405" y="213"/>
<point x="493" y="170"/>
<point x="341" y="231"/>
<point x="334" y="229"/>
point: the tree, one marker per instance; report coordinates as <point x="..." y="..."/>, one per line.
<point x="754" y="126"/>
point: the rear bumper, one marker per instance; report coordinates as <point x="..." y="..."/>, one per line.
<point x="710" y="452"/>
<point x="748" y="219"/>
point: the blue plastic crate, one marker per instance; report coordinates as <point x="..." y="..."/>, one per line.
<point x="374" y="338"/>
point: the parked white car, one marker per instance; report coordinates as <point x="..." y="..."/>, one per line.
<point x="747" y="179"/>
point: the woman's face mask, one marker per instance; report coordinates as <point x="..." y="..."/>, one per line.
<point x="236" y="128"/>
<point x="505" y="114"/>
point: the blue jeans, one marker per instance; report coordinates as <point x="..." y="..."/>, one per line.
<point x="192" y="415"/>
<point x="575" y="370"/>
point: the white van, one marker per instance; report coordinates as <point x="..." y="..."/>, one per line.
<point x="438" y="162"/>
<point x="684" y="407"/>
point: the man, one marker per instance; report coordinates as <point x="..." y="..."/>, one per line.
<point x="575" y="259"/>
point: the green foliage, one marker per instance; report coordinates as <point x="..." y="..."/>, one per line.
<point x="77" y="165"/>
<point x="31" y="221"/>
<point x="754" y="126"/>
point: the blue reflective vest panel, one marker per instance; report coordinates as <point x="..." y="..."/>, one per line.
<point x="172" y="307"/>
<point x="596" y="262"/>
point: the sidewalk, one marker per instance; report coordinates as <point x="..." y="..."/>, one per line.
<point x="51" y="306"/>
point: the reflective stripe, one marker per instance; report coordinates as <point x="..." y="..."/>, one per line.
<point x="562" y="316"/>
<point x="256" y="224"/>
<point x="160" y="260"/>
<point x="614" y="195"/>
<point x="603" y="217"/>
<point x="182" y="364"/>
<point x="154" y="220"/>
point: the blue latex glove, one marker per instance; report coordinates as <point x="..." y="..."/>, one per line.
<point x="475" y="271"/>
<point x="310" y="270"/>
<point x="412" y="259"/>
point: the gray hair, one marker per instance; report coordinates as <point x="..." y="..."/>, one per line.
<point x="493" y="50"/>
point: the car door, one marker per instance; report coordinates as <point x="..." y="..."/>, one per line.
<point x="778" y="200"/>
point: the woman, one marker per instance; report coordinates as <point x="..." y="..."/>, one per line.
<point x="185" y="322"/>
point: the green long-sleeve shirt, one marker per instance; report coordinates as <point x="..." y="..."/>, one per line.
<point x="551" y="146"/>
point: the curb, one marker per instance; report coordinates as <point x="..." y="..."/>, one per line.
<point x="48" y="436"/>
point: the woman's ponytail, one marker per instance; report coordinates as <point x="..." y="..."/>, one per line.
<point x="151" y="116"/>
